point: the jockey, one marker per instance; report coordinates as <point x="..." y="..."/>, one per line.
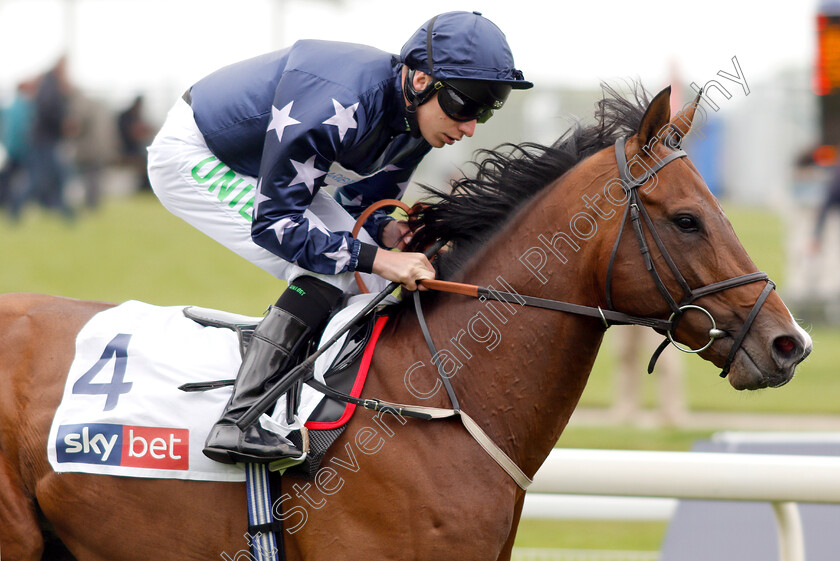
<point x="245" y="154"/>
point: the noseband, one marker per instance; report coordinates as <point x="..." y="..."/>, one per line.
<point x="637" y="213"/>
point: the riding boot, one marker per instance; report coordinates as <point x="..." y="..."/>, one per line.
<point x="275" y="341"/>
<point x="275" y="346"/>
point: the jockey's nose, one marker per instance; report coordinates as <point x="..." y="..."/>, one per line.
<point x="468" y="127"/>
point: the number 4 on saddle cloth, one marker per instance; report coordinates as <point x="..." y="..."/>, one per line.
<point x="122" y="412"/>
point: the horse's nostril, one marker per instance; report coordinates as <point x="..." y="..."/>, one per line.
<point x="785" y="346"/>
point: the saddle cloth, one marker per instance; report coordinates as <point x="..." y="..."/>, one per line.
<point x="122" y="412"/>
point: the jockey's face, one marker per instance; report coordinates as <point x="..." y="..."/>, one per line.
<point x="435" y="126"/>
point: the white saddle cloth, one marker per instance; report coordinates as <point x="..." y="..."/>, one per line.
<point x="122" y="412"/>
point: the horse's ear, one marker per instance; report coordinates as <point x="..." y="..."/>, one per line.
<point x="657" y="116"/>
<point x="682" y="121"/>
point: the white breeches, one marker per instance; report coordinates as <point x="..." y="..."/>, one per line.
<point x="195" y="186"/>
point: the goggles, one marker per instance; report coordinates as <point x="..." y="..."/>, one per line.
<point x="460" y="107"/>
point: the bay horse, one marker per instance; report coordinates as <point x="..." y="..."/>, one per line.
<point x="546" y="221"/>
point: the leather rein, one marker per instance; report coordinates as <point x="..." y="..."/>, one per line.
<point x="638" y="215"/>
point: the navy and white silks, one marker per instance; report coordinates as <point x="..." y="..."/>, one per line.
<point x="245" y="156"/>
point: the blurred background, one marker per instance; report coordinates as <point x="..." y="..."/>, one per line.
<point x="768" y="151"/>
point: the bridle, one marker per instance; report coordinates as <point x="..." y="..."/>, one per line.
<point x="637" y="214"/>
<point x="636" y="211"/>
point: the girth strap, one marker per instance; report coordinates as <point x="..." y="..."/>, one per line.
<point x="266" y="532"/>
<point x="431" y="413"/>
<point x="371" y="404"/>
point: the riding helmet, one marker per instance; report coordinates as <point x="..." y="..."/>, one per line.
<point x="463" y="45"/>
<point x="468" y="52"/>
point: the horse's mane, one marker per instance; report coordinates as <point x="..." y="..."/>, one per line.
<point x="511" y="174"/>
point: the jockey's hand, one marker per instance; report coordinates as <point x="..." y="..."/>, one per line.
<point x="396" y="234"/>
<point x="404" y="268"/>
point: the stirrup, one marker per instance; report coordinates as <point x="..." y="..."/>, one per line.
<point x="285" y="463"/>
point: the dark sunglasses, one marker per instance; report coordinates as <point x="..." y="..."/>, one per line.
<point x="459" y="107"/>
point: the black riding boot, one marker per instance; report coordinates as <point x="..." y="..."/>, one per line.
<point x="275" y="344"/>
<point x="275" y="340"/>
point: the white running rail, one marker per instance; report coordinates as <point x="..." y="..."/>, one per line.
<point x="782" y="480"/>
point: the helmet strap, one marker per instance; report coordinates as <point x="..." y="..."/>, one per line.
<point x="415" y="99"/>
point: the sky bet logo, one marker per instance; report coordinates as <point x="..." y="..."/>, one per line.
<point x="124" y="445"/>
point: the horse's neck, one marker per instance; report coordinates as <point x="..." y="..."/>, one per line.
<point x="524" y="369"/>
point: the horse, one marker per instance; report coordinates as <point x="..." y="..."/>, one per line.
<point x="543" y="221"/>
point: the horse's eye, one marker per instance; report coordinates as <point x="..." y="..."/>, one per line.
<point x="687" y="223"/>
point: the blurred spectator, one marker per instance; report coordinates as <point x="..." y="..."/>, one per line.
<point x="94" y="144"/>
<point x="47" y="167"/>
<point x="16" y="128"/>
<point x="632" y="344"/>
<point x="135" y="136"/>
<point x="831" y="201"/>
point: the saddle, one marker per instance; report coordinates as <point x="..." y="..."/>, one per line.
<point x="345" y="376"/>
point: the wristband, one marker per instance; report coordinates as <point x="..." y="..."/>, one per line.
<point x="367" y="253"/>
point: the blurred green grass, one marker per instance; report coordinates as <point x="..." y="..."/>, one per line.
<point x="130" y="249"/>
<point x="762" y="234"/>
<point x="591" y="535"/>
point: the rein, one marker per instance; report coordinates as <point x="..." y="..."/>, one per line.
<point x="360" y="221"/>
<point x="639" y="217"/>
<point x="637" y="212"/>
